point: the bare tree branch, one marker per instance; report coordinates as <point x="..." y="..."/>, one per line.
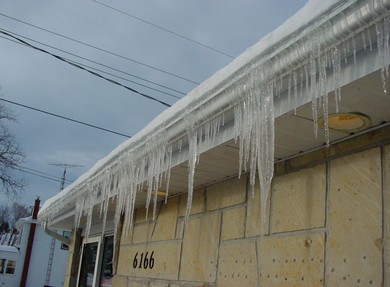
<point x="11" y="156"/>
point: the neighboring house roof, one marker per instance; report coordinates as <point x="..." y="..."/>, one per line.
<point x="7" y="248"/>
<point x="245" y="115"/>
<point x="21" y="221"/>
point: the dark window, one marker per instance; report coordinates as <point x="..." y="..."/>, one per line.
<point x="10" y="267"/>
<point x="87" y="271"/>
<point x="2" y="265"/>
<point x="106" y="271"/>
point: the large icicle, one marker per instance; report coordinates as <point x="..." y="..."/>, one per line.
<point x="192" y="156"/>
<point x="254" y="128"/>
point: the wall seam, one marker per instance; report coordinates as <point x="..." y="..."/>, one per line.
<point x="246" y="207"/>
<point x="257" y="247"/>
<point x="327" y="211"/>
<point x="219" y="247"/>
<point x="384" y="217"/>
<point x="270" y="208"/>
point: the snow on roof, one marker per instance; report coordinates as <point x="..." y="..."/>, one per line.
<point x="7" y="248"/>
<point x="303" y="40"/>
<point x="310" y="11"/>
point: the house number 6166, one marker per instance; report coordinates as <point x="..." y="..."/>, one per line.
<point x="144" y="260"/>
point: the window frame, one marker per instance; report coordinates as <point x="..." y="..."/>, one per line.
<point x="103" y="243"/>
<point x="8" y="267"/>
<point x="5" y="266"/>
<point x="100" y="240"/>
<point x="94" y="239"/>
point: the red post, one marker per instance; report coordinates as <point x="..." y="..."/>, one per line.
<point x="30" y="242"/>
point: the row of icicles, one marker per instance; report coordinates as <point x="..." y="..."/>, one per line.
<point x="253" y="130"/>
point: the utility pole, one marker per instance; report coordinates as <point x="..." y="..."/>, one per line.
<point x="65" y="166"/>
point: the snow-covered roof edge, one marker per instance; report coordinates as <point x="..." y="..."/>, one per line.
<point x="314" y="11"/>
<point x="311" y="10"/>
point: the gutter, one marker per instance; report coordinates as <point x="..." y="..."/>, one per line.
<point x="284" y="54"/>
<point x="55" y="235"/>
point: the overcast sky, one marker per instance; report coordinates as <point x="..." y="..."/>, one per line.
<point x="38" y="80"/>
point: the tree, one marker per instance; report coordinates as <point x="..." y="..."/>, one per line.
<point x="19" y="210"/>
<point x="10" y="215"/>
<point x="11" y="156"/>
<point x="4" y="218"/>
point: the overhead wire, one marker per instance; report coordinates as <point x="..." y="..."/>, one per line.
<point x="164" y="29"/>
<point x="40" y="174"/>
<point x="64" y="117"/>
<point x="85" y="69"/>
<point x="100" y="64"/>
<point x="103" y="50"/>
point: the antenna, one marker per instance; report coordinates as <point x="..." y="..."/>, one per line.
<point x="65" y="166"/>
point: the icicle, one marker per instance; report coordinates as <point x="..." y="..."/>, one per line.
<point x="382" y="50"/>
<point x="89" y="210"/>
<point x="266" y="152"/>
<point x="301" y="82"/>
<point x="336" y="65"/>
<point x="105" y="198"/>
<point x="192" y="156"/>
<point x="168" y="171"/>
<point x="364" y="41"/>
<point x="313" y="92"/>
<point x="345" y="53"/>
<point x="289" y="90"/>
<point x="354" y="50"/>
<point x="295" y="92"/>
<point x="324" y="96"/>
<point x="386" y="23"/>
<point x="369" y="40"/>
<point x="254" y="127"/>
<point x="180" y="143"/>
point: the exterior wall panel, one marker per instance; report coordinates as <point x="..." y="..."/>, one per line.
<point x="355" y="220"/>
<point x="329" y="226"/>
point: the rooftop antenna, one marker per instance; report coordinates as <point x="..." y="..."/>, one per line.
<point x="65" y="166"/>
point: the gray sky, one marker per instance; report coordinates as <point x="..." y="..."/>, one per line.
<point x="36" y="79"/>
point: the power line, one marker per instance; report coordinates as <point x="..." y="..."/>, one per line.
<point x="87" y="70"/>
<point x="164" y="29"/>
<point x="103" y="50"/>
<point x="100" y="64"/>
<point x="44" y="173"/>
<point x="64" y="118"/>
<point x="38" y="173"/>
<point x="89" y="60"/>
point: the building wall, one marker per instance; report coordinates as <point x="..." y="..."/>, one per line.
<point x="39" y="262"/>
<point x="327" y="225"/>
<point x="73" y="259"/>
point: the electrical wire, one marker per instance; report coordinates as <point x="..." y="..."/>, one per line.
<point x="100" y="64"/>
<point x="87" y="70"/>
<point x="64" y="118"/>
<point x="44" y="173"/>
<point x="40" y="174"/>
<point x="103" y="50"/>
<point x="75" y="55"/>
<point x="164" y="29"/>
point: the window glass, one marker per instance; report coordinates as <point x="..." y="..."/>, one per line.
<point x="10" y="267"/>
<point x="2" y="265"/>
<point x="87" y="271"/>
<point x="106" y="271"/>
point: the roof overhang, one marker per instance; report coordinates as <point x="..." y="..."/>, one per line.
<point x="345" y="35"/>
